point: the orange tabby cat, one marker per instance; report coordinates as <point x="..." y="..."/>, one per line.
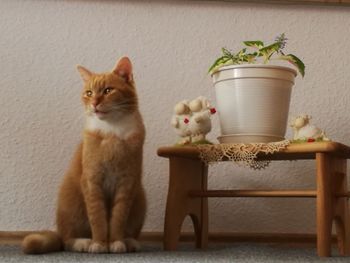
<point x="101" y="204"/>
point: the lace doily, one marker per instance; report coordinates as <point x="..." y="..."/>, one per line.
<point x="243" y="154"/>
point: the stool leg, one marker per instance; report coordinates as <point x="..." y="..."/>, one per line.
<point x="324" y="201"/>
<point x="185" y="175"/>
<point x="199" y="215"/>
<point x="342" y="216"/>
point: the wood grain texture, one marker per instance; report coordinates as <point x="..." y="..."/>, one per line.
<point x="293" y="151"/>
<point x="263" y="193"/>
<point x="324" y="205"/>
<point x="254" y="193"/>
<point x="341" y="206"/>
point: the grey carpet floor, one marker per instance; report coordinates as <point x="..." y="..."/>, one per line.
<point x="216" y="253"/>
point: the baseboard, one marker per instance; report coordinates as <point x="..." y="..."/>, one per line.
<point x="15" y="237"/>
<point x="234" y="237"/>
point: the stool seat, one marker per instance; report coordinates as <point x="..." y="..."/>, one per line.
<point x="188" y="193"/>
<point x="296" y="150"/>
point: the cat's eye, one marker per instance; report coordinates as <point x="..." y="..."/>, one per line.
<point x="107" y="90"/>
<point x="88" y="93"/>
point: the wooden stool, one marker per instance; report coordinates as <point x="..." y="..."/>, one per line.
<point x="188" y="192"/>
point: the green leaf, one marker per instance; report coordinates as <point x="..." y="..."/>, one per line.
<point x="266" y="53"/>
<point x="296" y="62"/>
<point x="250" y="58"/>
<point x="216" y="62"/>
<point x="241" y="53"/>
<point x="227" y="52"/>
<point x="270" y="48"/>
<point x="228" y="62"/>
<point x="219" y="62"/>
<point x="257" y="44"/>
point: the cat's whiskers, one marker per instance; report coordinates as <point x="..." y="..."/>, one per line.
<point x="123" y="106"/>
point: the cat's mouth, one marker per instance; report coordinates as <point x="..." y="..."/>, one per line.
<point x="100" y="113"/>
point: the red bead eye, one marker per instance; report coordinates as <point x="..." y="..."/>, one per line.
<point x="186" y="120"/>
<point x="212" y="110"/>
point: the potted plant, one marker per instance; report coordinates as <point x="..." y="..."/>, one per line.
<point x="252" y="93"/>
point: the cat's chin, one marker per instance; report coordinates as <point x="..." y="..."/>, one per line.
<point x="101" y="115"/>
<point x="110" y="116"/>
<point x="107" y="116"/>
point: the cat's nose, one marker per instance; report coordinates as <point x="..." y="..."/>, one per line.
<point x="95" y="103"/>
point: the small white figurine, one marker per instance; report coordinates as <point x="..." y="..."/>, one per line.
<point x="180" y="121"/>
<point x="191" y="120"/>
<point x="305" y="131"/>
<point x="200" y="123"/>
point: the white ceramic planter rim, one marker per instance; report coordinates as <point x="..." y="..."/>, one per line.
<point x="250" y="66"/>
<point x="255" y="66"/>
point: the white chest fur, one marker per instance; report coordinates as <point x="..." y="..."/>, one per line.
<point x="122" y="127"/>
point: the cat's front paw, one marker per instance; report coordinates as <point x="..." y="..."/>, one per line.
<point x="78" y="245"/>
<point x="117" y="247"/>
<point x="96" y="247"/>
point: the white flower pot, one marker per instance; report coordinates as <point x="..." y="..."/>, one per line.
<point x="253" y="102"/>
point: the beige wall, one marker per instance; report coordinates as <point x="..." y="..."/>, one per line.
<point x="171" y="43"/>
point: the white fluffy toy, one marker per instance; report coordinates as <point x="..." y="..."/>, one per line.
<point x="200" y="122"/>
<point x="180" y="121"/>
<point x="304" y="131"/>
<point x="191" y="120"/>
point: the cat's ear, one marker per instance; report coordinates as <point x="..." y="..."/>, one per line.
<point x="84" y="73"/>
<point x="123" y="68"/>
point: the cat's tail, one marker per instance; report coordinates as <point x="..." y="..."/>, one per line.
<point x="42" y="242"/>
